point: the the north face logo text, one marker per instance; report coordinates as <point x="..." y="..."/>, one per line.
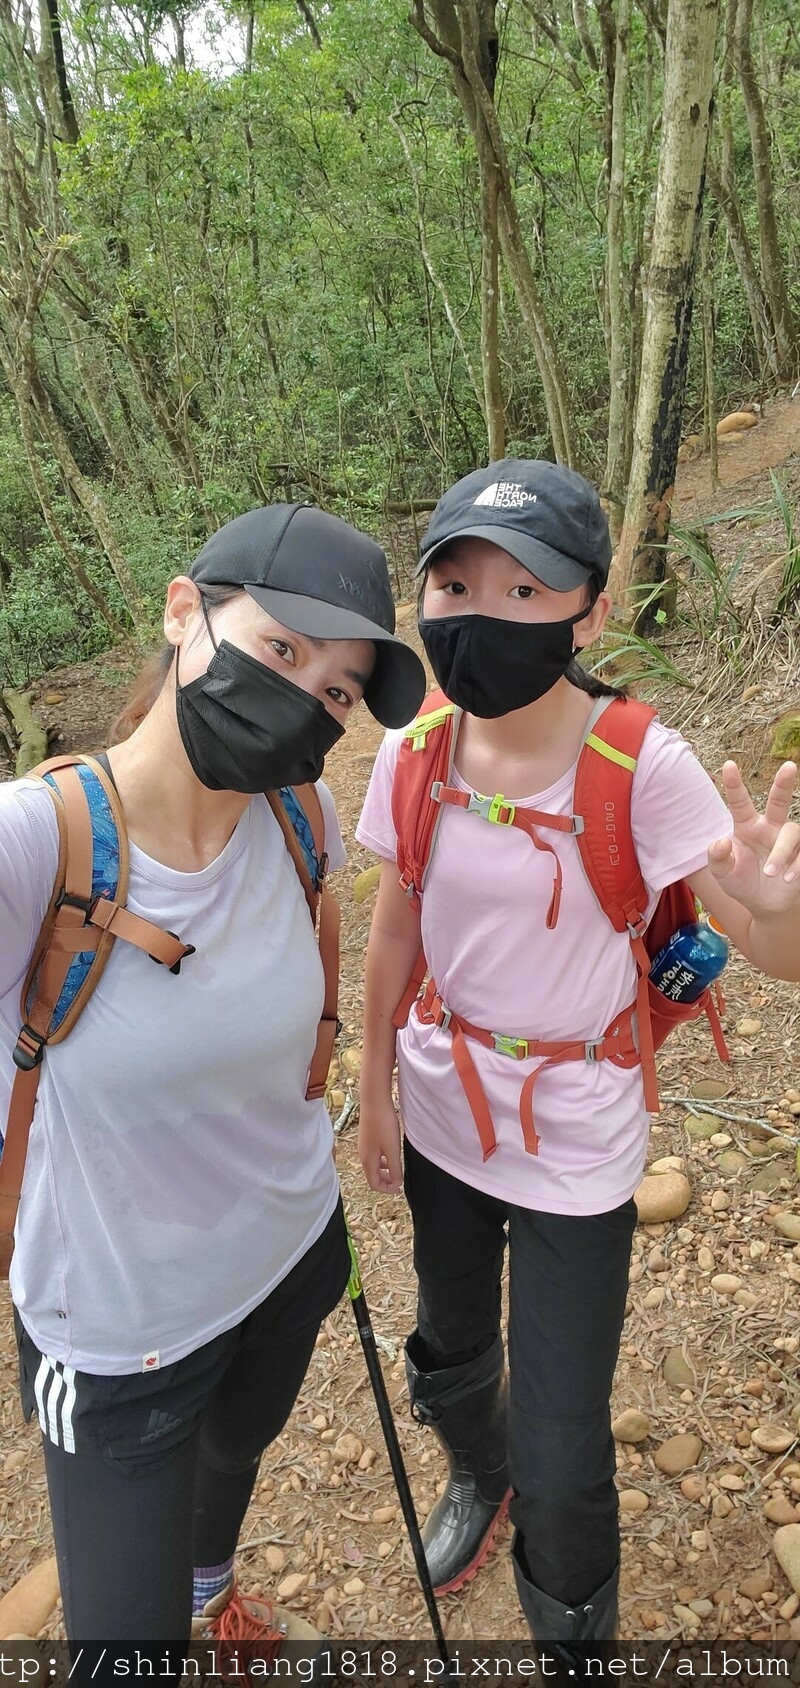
<point x="506" y="495"/>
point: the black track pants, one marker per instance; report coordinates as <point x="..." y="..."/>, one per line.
<point x="150" y="1475"/>
<point x="568" y="1280"/>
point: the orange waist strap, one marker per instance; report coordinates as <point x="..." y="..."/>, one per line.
<point x="618" y="1044"/>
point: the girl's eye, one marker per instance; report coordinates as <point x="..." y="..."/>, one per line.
<point x="338" y="696"/>
<point x="454" y="587"/>
<point x="282" y="649"/>
<point x="523" y="592"/>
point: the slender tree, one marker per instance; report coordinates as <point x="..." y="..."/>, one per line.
<point x="688" y="82"/>
<point x="466" y="37"/>
<point x="773" y="273"/>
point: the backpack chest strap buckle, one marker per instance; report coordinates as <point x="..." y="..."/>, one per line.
<point x="496" y="809"/>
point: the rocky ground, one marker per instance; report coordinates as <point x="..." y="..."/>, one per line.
<point x="707" y="1393"/>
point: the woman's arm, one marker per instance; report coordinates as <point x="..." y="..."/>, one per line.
<point x="28" y="863"/>
<point x="393" y="947"/>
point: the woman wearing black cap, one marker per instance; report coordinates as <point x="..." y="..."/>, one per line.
<point x="525" y="1075"/>
<point x="180" y="1234"/>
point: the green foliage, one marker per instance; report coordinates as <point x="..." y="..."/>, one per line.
<point x="788" y="599"/>
<point x="263" y="267"/>
<point x="693" y="546"/>
<point x="630" y="659"/>
<point x="44" y="620"/>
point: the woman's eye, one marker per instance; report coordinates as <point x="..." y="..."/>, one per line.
<point x="523" y="592"/>
<point x="336" y="694"/>
<point x="282" y="649"/>
<point x="454" y="587"/>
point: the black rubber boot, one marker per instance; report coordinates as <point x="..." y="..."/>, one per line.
<point x="564" y="1632"/>
<point x="466" y="1407"/>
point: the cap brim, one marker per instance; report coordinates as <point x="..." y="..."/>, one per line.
<point x="397" y="684"/>
<point x="553" y="568"/>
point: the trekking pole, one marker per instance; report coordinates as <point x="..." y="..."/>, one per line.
<point x="355" y="1290"/>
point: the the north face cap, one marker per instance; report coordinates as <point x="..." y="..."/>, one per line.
<point x="319" y="576"/>
<point x="546" y="516"/>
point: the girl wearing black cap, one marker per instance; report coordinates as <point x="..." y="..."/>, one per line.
<point x="544" y="1154"/>
<point x="180" y="1234"/>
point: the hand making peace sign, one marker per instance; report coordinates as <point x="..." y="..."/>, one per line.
<point x="760" y="864"/>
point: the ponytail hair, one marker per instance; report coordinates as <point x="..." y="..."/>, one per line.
<point x="151" y="679"/>
<point x="148" y="685"/>
<point x="580" y="676"/>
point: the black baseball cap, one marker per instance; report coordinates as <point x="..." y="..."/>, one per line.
<point x="319" y="576"/>
<point x="546" y="516"/>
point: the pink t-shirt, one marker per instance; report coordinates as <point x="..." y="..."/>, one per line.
<point x="496" y="964"/>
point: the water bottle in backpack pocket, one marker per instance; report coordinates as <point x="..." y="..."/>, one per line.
<point x="690" y="961"/>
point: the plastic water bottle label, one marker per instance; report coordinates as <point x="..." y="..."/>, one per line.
<point x="675" y="981"/>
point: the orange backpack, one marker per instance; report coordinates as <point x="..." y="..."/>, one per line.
<point x="601" y="826"/>
<point x="87" y="913"/>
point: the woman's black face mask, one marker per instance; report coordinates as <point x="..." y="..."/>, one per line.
<point x="490" y="667"/>
<point x="246" y="728"/>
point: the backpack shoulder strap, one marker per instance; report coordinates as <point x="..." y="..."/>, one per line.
<point x="98" y="861"/>
<point x="282" y="815"/>
<point x="425" y="757"/>
<point x="324" y="911"/>
<point x="603" y="787"/>
<point x="85" y="914"/>
<point x="46" y="980"/>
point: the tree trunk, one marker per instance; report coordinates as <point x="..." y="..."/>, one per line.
<point x="722" y="184"/>
<point x="432" y="272"/>
<point x="31" y="735"/>
<point x="490" y="353"/>
<point x="466" y="37"/>
<point x="54" y="74"/>
<point x="540" y="333"/>
<point x="255" y="250"/>
<point x="310" y="21"/>
<point x="608" y="54"/>
<point x="616" y="465"/>
<point x="176" y="19"/>
<point x="83" y="354"/>
<point x="582" y="27"/>
<point x="688" y="75"/>
<point x="772" y="268"/>
<point x="709" y="340"/>
<point x="84" y="492"/>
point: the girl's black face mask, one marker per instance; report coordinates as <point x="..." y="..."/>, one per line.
<point x="490" y="667"/>
<point x="246" y="728"/>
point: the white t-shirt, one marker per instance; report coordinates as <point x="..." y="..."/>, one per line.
<point x="175" y="1170"/>
<point x="495" y="963"/>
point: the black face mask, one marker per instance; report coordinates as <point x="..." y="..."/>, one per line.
<point x="246" y="728"/>
<point x="491" y="667"/>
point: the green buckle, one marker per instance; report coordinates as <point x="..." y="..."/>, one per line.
<point x="489" y="808"/>
<point x="516" y="1047"/>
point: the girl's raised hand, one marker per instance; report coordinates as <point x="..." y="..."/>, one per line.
<point x="760" y="865"/>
